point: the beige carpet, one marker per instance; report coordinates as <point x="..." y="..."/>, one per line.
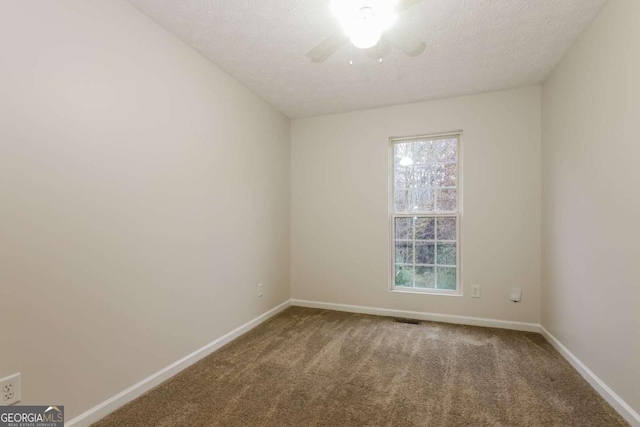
<point x="308" y="367"/>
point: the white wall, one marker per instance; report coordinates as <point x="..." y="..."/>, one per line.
<point x="143" y="195"/>
<point x="591" y="205"/>
<point x="340" y="233"/>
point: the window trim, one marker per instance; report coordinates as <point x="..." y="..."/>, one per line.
<point x="392" y="216"/>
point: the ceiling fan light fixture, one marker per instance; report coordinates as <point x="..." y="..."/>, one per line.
<point x="365" y="37"/>
<point x="364" y="21"/>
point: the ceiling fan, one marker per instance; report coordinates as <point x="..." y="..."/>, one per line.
<point x="363" y="23"/>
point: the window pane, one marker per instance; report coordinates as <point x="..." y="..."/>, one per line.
<point x="446" y="200"/>
<point x="423" y="152"/>
<point x="404" y="275"/>
<point x="423" y="200"/>
<point x="404" y="228"/>
<point x="403" y="177"/>
<point x="423" y="176"/>
<point x="446" y="150"/>
<point x="446" y="254"/>
<point x="438" y="177"/>
<point x="402" y="200"/>
<point x="425" y="253"/>
<point x="446" y="278"/>
<point x="444" y="174"/>
<point x="403" y="154"/>
<point x="450" y="175"/>
<point x="425" y="229"/>
<point x="404" y="252"/>
<point x="447" y="228"/>
<point x="425" y="277"/>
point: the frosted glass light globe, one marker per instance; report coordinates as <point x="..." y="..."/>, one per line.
<point x="364" y="20"/>
<point x="365" y="37"/>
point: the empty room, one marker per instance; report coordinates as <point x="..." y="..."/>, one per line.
<point x="319" y="213"/>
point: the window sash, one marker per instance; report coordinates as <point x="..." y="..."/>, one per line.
<point x="412" y="288"/>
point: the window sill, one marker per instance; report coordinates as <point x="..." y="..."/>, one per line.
<point x="426" y="292"/>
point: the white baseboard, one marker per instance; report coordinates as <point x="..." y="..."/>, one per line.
<point x="607" y="394"/>
<point x="434" y="317"/>
<point x="105" y="408"/>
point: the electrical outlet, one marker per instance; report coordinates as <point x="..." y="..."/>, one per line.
<point x="259" y="289"/>
<point x="10" y="390"/>
<point x="475" y="291"/>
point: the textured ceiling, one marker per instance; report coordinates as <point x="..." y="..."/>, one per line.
<point x="472" y="46"/>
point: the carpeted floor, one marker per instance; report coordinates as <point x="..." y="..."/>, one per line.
<point x="308" y="367"/>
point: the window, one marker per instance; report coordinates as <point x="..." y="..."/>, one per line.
<point x="425" y="216"/>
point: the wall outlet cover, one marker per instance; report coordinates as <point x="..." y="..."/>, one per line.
<point x="475" y="291"/>
<point x="10" y="390"/>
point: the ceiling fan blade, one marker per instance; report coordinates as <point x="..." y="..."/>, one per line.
<point x="327" y="47"/>
<point x="406" y="4"/>
<point x="404" y="41"/>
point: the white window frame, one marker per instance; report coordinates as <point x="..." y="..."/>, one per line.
<point x="393" y="215"/>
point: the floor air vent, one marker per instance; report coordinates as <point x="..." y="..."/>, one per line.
<point x="409" y="321"/>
